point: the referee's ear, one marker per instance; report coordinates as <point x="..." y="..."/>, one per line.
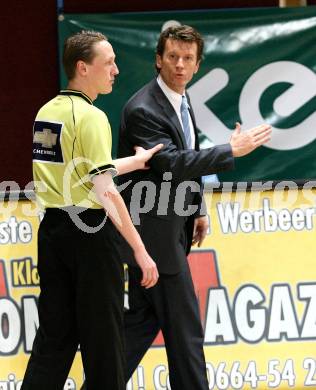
<point x="82" y="68"/>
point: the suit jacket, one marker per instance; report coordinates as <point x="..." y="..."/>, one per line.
<point x="163" y="205"/>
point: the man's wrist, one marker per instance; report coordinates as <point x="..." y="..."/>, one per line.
<point x="136" y="162"/>
<point x="139" y="247"/>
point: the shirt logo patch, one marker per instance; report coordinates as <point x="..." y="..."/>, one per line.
<point x="46" y="142"/>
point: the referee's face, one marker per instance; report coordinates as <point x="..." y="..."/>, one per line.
<point x="103" y="69"/>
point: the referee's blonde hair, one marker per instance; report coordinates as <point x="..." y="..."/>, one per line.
<point x="80" y="46"/>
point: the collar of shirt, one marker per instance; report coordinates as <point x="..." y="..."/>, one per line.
<point x="74" y="92"/>
<point x="174" y="98"/>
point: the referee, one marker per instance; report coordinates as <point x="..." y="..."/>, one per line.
<point x="81" y="275"/>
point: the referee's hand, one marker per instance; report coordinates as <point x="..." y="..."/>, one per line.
<point x="142" y="156"/>
<point x="148" y="267"/>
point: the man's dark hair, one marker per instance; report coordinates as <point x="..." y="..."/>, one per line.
<point x="180" y="33"/>
<point x="80" y="47"/>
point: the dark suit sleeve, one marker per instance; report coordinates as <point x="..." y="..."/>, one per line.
<point x="144" y="130"/>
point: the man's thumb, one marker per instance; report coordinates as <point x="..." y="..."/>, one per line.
<point x="238" y="128"/>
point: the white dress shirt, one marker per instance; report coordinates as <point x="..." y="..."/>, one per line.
<point x="175" y="100"/>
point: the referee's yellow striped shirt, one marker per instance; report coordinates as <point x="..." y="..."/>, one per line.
<point x="72" y="141"/>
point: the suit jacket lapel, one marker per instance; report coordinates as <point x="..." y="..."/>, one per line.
<point x="164" y="103"/>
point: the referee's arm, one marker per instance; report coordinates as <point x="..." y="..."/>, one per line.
<point x="114" y="205"/>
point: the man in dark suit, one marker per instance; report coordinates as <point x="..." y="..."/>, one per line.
<point x="165" y="204"/>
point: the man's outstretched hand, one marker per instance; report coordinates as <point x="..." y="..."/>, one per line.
<point x="244" y="142"/>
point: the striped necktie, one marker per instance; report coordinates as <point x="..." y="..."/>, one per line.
<point x="184" y="110"/>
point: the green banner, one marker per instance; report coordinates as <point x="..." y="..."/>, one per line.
<point x="259" y="66"/>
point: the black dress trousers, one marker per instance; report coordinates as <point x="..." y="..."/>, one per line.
<point x="81" y="302"/>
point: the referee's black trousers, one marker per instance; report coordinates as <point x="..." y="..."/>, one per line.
<point x="81" y="302"/>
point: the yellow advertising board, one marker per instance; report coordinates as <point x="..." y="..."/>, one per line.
<point x="256" y="286"/>
<point x="255" y="281"/>
<point x="19" y="290"/>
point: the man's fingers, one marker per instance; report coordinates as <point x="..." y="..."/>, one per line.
<point x="260" y="129"/>
<point x="198" y="238"/>
<point x="150" y="278"/>
<point x="260" y="135"/>
<point x="152" y="283"/>
<point x="152" y="150"/>
<point x="195" y="238"/>
<point x="201" y="240"/>
<point x="265" y="137"/>
<point x="263" y="140"/>
<point x="156" y="148"/>
<point x="201" y="237"/>
<point x="145" y="279"/>
<point x="264" y="131"/>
